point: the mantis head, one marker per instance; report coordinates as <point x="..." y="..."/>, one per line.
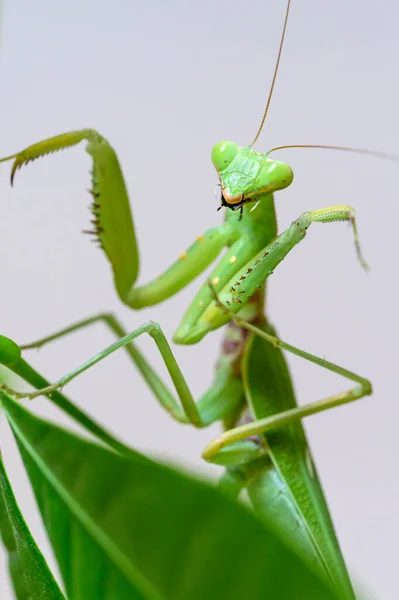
<point x="245" y="175"/>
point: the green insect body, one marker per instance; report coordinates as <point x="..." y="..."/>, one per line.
<point x="252" y="377"/>
<point x="263" y="445"/>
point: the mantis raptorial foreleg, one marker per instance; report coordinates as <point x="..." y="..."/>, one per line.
<point x="114" y="228"/>
<point x="246" y="281"/>
<point x="241" y="271"/>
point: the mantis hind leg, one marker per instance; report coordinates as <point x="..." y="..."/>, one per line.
<point x="220" y="399"/>
<point x="233" y="437"/>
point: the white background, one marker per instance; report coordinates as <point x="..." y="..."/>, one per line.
<point x="164" y="81"/>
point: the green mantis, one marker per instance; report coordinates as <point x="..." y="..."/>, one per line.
<point x="277" y="470"/>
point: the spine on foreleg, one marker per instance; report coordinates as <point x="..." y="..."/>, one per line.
<point x="242" y="288"/>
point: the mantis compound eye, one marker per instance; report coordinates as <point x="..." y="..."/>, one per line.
<point x="223" y="154"/>
<point x="275" y="175"/>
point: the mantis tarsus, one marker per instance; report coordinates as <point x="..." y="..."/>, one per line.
<point x="275" y="475"/>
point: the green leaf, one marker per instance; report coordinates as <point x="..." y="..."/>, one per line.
<point x="29" y="572"/>
<point x="133" y="529"/>
<point x="286" y="492"/>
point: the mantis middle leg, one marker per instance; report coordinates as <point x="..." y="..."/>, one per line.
<point x="218" y="406"/>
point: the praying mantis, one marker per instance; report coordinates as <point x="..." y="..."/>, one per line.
<point x="247" y="361"/>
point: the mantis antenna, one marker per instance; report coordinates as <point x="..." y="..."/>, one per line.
<point x="274" y="74"/>
<point x="383" y="155"/>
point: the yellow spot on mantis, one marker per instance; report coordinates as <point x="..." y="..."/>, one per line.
<point x="201" y="302"/>
<point x="233" y="259"/>
<point x="215" y="280"/>
<point x="200" y="238"/>
<point x="183" y="255"/>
